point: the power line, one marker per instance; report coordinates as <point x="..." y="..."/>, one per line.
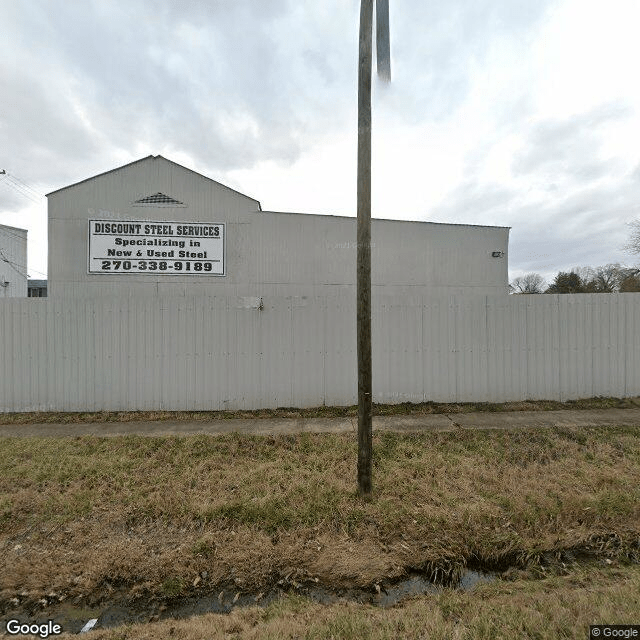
<point x="30" y="193"/>
<point x="24" y="266"/>
<point x="39" y="272"/>
<point x="24" y="184"/>
<point x="21" y="186"/>
<point x="15" y="178"/>
<point x="13" y="265"/>
<point x="19" y="237"/>
<point x="18" y="188"/>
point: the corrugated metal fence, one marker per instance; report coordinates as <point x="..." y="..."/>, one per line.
<point x="225" y="353"/>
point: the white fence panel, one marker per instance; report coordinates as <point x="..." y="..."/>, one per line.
<point x="188" y="353"/>
<point x="397" y="358"/>
<point x="542" y="339"/>
<point x="439" y="349"/>
<point x="632" y="344"/>
<point x="340" y="371"/>
<point x="308" y="347"/>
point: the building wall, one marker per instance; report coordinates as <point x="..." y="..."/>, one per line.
<point x="197" y="353"/>
<point x="110" y="196"/>
<point x="13" y="262"/>
<point x="267" y="253"/>
<point x="406" y="257"/>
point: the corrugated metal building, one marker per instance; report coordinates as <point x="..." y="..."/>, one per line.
<point x="266" y="313"/>
<point x="256" y="253"/>
<point x="13" y="262"/>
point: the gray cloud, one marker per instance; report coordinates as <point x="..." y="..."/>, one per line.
<point x="586" y="228"/>
<point x="232" y="83"/>
<point x="569" y="147"/>
<point x="39" y="132"/>
<point x="439" y="44"/>
<point x="578" y="200"/>
<point x="227" y="83"/>
<point x="476" y="203"/>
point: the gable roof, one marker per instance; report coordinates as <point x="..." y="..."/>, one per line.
<point x="147" y="159"/>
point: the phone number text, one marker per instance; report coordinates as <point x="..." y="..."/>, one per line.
<point x="184" y="266"/>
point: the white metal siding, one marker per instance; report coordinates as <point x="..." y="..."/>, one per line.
<point x="110" y="196"/>
<point x="13" y="262"/>
<point x="409" y="258"/>
<point x="225" y="353"/>
<point x="266" y="253"/>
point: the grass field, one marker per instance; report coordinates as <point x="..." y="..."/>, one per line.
<point x="84" y="519"/>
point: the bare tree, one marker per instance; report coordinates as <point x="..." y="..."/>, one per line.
<point x="630" y="280"/>
<point x="587" y="276"/>
<point x="633" y="246"/>
<point x="530" y="283"/>
<point x="606" y="279"/>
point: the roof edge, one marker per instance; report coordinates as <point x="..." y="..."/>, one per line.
<point x="8" y="226"/>
<point x="448" y="224"/>
<point x="97" y="175"/>
<point x="152" y="157"/>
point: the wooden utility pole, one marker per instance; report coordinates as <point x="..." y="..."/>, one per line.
<point x="363" y="286"/>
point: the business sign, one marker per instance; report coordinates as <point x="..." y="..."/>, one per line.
<point x="156" y="248"/>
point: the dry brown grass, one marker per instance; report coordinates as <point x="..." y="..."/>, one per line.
<point x="90" y="517"/>
<point x="558" y="607"/>
<point x="406" y="408"/>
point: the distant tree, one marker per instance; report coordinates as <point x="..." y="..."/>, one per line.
<point x="633" y="246"/>
<point x="609" y="278"/>
<point x="585" y="274"/>
<point x="630" y="280"/>
<point x="530" y="283"/>
<point x="605" y="279"/>
<point x="567" y="282"/>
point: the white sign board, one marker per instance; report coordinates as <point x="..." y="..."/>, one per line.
<point x="156" y="248"/>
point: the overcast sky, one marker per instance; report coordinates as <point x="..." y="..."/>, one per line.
<point x="520" y="113"/>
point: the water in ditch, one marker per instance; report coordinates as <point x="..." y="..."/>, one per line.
<point x="74" y="619"/>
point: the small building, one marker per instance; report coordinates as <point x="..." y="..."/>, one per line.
<point x="13" y="262"/>
<point x="154" y="227"/>
<point x="37" y="288"/>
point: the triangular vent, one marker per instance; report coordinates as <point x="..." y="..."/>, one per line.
<point x="159" y="199"/>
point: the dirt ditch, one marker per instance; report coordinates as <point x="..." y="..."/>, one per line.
<point x="117" y="609"/>
<point x="107" y="607"/>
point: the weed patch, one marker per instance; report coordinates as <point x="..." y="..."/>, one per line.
<point x="404" y="408"/>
